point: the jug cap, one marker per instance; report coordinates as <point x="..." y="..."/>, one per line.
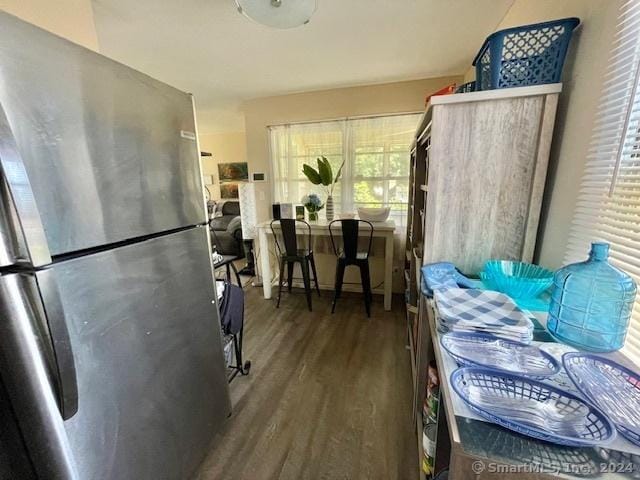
<point x="599" y="250"/>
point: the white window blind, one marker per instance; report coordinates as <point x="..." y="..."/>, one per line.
<point x="376" y="154"/>
<point x="608" y="207"/>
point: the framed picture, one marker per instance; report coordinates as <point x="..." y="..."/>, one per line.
<point x="228" y="190"/>
<point x="233" y="172"/>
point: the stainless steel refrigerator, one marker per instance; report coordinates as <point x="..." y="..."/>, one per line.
<point x="111" y="363"/>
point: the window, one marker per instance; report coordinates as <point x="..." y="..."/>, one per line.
<point x="608" y="207"/>
<point x="376" y="154"/>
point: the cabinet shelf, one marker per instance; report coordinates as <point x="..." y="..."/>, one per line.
<point x="462" y="172"/>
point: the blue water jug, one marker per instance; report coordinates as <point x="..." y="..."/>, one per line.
<point x="591" y="303"/>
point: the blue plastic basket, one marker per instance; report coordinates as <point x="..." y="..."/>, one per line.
<point x="527" y="55"/>
<point x="596" y="431"/>
<point x="611" y="387"/>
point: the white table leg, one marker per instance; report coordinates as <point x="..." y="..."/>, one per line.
<point x="388" y="270"/>
<point x="265" y="265"/>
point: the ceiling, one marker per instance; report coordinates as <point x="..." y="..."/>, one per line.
<point x="207" y="48"/>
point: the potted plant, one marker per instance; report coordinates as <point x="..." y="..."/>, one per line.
<point x="324" y="176"/>
<point x="313" y="204"/>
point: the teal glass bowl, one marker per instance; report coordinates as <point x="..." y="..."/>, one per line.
<point x="517" y="279"/>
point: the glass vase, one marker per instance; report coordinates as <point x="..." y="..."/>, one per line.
<point x="313" y="216"/>
<point x="591" y="303"/>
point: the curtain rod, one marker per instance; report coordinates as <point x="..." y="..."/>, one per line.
<point x="338" y="119"/>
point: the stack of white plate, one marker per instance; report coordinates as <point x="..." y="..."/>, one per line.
<point x="482" y="311"/>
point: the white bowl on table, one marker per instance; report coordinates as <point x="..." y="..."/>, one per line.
<point x="374" y="214"/>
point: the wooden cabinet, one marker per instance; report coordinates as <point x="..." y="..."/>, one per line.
<point x="488" y="155"/>
<point x="479" y="165"/>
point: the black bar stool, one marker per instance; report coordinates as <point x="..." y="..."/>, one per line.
<point x="349" y="255"/>
<point x="292" y="254"/>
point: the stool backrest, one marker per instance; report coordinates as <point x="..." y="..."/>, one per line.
<point x="290" y="236"/>
<point x="350" y="236"/>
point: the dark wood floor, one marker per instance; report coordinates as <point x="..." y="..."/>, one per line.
<point x="328" y="396"/>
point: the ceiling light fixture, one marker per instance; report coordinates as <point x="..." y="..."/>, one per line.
<point x="278" y="13"/>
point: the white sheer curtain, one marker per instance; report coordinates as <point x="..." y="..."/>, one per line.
<point x="294" y="145"/>
<point x="376" y="171"/>
<point x="379" y="163"/>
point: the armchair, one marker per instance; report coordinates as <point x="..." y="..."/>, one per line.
<point x="227" y="230"/>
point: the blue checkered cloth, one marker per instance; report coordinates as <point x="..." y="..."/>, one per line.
<point x="484" y="311"/>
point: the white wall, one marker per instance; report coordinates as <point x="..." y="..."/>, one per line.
<point x="582" y="78"/>
<point x="225" y="148"/>
<point x="71" y="19"/>
<point x="326" y="104"/>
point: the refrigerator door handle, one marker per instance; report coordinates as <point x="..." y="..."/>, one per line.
<point x="21" y="195"/>
<point x="26" y="374"/>
<point x="65" y="363"/>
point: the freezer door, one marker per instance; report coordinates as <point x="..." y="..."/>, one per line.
<point x="146" y="342"/>
<point x="109" y="153"/>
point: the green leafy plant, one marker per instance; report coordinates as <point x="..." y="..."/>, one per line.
<point x="323" y="175"/>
